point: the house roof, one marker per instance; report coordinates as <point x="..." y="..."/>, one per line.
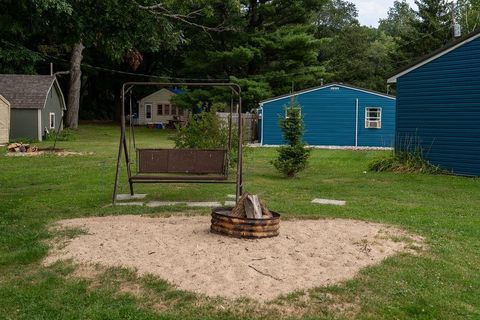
<point x="298" y="93"/>
<point x="176" y="90"/>
<point x="27" y="91"/>
<point x="434" y="55"/>
<point x="172" y="91"/>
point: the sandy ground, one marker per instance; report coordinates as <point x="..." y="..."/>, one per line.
<point x="41" y="153"/>
<point x="308" y="253"/>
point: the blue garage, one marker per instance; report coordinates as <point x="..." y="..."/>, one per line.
<point x="438" y="106"/>
<point x="334" y="115"/>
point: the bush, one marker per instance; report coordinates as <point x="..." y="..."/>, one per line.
<point x="292" y="158"/>
<point x="64" y="135"/>
<point x="406" y="162"/>
<point x="206" y="130"/>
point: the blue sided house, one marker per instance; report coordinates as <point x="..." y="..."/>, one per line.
<point x="334" y="115"/>
<point x="438" y="106"/>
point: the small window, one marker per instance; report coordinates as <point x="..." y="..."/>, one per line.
<point x="148" y="111"/>
<point x="159" y="109"/>
<point x="52" y="120"/>
<point x="373" y="118"/>
<point x="286" y="111"/>
<point x="167" y="110"/>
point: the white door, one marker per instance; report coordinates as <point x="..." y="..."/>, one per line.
<point x="148" y="111"/>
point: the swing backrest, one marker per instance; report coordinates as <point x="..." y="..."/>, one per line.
<point x="187" y="161"/>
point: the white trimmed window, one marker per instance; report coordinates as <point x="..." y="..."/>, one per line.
<point x="148" y="111"/>
<point x="286" y="111"/>
<point x="51" y="120"/>
<point x="373" y="118"/>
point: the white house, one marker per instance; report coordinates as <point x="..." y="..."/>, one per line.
<point x="158" y="108"/>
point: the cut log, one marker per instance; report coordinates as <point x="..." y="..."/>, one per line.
<point x="251" y="207"/>
<point x="257" y="208"/>
<point x="265" y="212"/>
<point x="239" y="210"/>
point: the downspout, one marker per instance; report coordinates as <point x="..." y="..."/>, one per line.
<point x="261" y="136"/>
<point x="39" y="125"/>
<point x="356" y="124"/>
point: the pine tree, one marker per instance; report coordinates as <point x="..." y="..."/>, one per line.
<point x="293" y="157"/>
<point x="432" y="29"/>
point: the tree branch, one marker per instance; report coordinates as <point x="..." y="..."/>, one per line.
<point x="159" y="9"/>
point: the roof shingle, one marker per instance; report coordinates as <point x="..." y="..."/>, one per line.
<point x="26" y="91"/>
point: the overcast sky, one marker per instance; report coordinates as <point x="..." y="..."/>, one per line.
<point x="370" y="11"/>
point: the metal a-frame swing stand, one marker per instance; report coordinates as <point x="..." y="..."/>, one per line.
<point x="197" y="168"/>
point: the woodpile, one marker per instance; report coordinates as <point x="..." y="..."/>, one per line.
<point x="21" y="148"/>
<point x="251" y="207"/>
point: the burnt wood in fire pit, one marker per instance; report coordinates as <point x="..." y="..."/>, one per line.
<point x="225" y="224"/>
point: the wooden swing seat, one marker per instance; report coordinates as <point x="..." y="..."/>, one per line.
<point x="180" y="165"/>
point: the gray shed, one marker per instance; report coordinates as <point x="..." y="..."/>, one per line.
<point x="4" y="120"/>
<point x="37" y="104"/>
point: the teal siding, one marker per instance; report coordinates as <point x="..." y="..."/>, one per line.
<point x="23" y="124"/>
<point x="330" y="118"/>
<point x="438" y="110"/>
<point x="54" y="104"/>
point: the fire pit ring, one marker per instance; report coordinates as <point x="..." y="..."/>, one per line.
<point x="225" y="224"/>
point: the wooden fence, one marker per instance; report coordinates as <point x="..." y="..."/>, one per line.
<point x="249" y="121"/>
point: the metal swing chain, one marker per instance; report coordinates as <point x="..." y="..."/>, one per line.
<point x="131" y="134"/>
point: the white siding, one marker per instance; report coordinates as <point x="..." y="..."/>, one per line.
<point x="161" y="97"/>
<point x="4" y="120"/>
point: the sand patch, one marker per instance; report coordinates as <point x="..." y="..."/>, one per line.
<point x="181" y="250"/>
<point x="41" y="153"/>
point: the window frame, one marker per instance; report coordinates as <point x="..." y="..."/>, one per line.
<point x="160" y="109"/>
<point x="50" y="120"/>
<point x="286" y="111"/>
<point x="369" y="119"/>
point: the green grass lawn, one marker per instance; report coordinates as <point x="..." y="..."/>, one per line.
<point x="441" y="283"/>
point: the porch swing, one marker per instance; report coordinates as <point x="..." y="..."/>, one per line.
<point x="160" y="165"/>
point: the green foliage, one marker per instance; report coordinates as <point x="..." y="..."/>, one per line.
<point x="441" y="282"/>
<point x="404" y="162"/>
<point x="202" y="131"/>
<point x="267" y="47"/>
<point x="206" y="130"/>
<point x="292" y="158"/>
<point x="64" y="135"/>
<point x="468" y="12"/>
<point x="334" y="16"/>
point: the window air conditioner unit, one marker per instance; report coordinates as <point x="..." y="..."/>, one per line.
<point x="374" y="124"/>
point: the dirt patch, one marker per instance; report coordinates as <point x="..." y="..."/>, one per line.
<point x="62" y="153"/>
<point x="307" y="254"/>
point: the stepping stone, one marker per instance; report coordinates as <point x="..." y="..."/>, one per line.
<point x="137" y="196"/>
<point x="155" y="204"/>
<point x="231" y="196"/>
<point x="230" y="204"/>
<point x="130" y="204"/>
<point x="204" y="204"/>
<point x="329" y="202"/>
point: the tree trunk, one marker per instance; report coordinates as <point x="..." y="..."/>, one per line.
<point x="73" y="104"/>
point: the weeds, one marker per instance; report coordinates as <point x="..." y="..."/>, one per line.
<point x="408" y="158"/>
